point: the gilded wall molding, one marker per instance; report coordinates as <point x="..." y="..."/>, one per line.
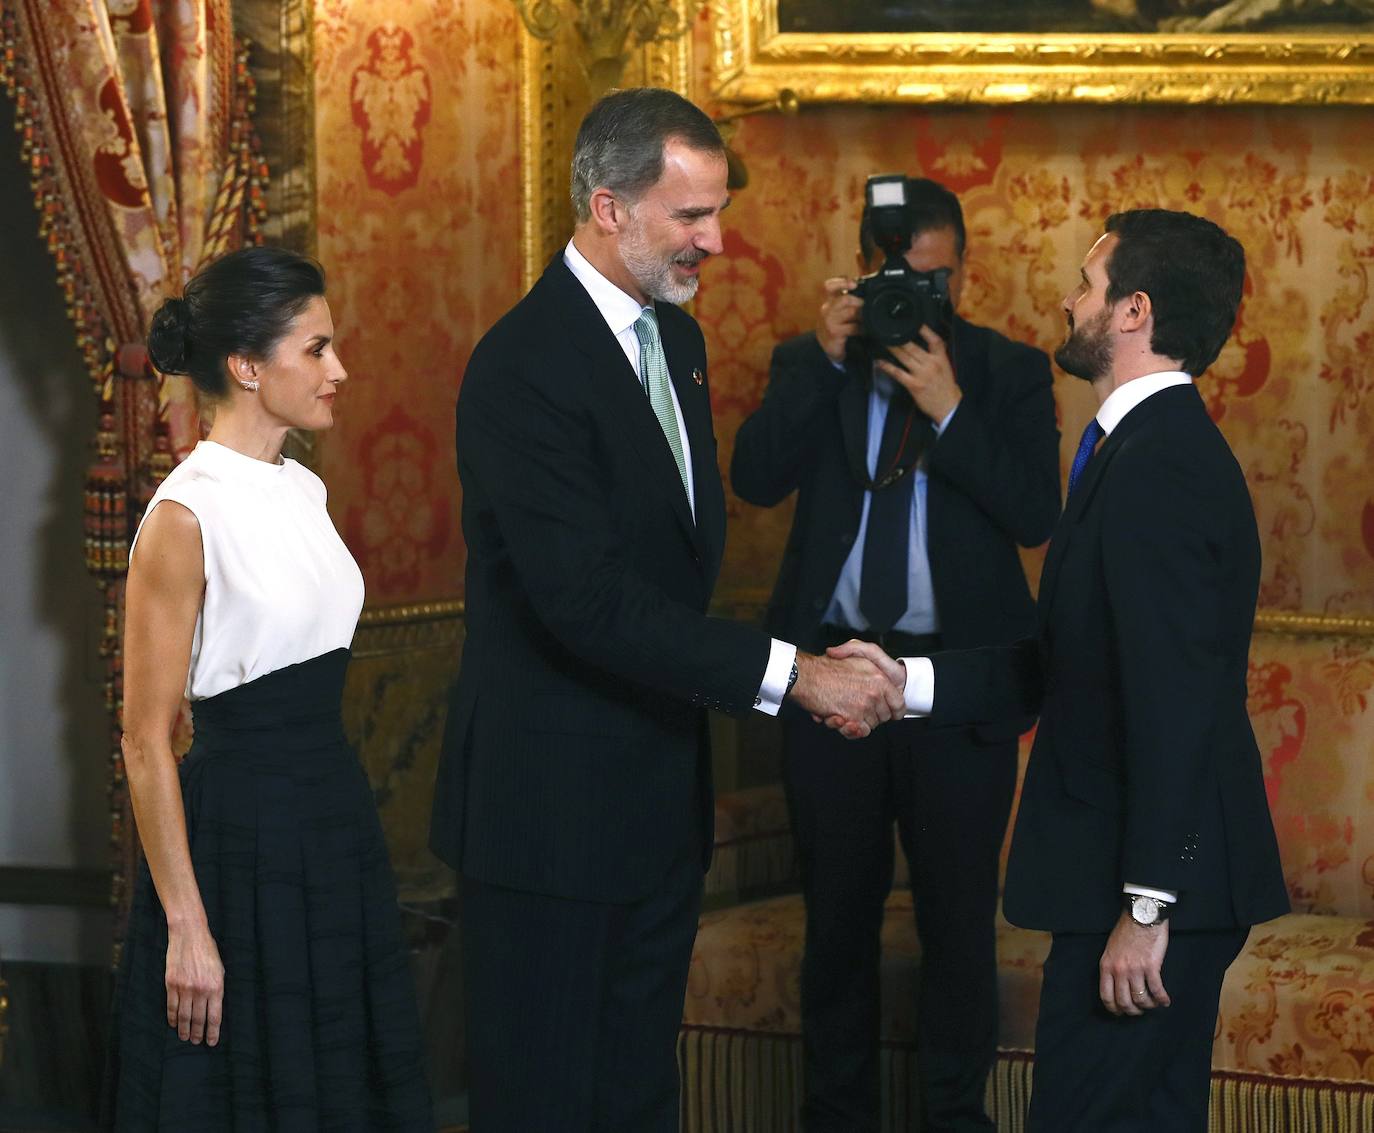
<point x="1320" y="625"/>
<point x="430" y="624"/>
<point x="555" y="92"/>
<point x="281" y="57"/>
<point x="754" y="61"/>
<point x="386" y="630"/>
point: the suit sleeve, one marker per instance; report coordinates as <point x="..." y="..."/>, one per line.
<point x="986" y="685"/>
<point x="526" y="445"/>
<point x="1164" y="590"/>
<point x="775" y="443"/>
<point x="1004" y="453"/>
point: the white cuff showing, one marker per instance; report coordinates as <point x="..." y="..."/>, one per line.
<point x="781" y="658"/>
<point x="1168" y="895"/>
<point x="920" y="686"/>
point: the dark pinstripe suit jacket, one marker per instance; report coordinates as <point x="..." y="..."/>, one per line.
<point x="575" y="758"/>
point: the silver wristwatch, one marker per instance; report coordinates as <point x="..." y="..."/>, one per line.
<point x="1147" y="910"/>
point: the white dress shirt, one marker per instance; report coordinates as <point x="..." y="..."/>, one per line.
<point x="621" y="311"/>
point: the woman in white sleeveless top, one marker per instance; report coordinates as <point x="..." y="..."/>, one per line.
<point x="264" y="983"/>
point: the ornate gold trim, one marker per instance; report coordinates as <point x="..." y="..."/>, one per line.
<point x="748" y="603"/>
<point x="754" y="62"/>
<point x="384" y="630"/>
<point x="282" y="60"/>
<point x="1324" y="625"/>
<point x="554" y="95"/>
<point x="378" y="616"/>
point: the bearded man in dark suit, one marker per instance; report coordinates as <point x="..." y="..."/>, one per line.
<point x="574" y="792"/>
<point x="1143" y="841"/>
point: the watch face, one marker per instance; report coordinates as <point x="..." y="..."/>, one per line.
<point x="1144" y="910"/>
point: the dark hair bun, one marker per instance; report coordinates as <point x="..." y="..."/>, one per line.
<point x="242" y="303"/>
<point x="168" y="336"/>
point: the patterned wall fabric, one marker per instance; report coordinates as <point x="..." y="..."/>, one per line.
<point x="1312" y="707"/>
<point x="1292" y="391"/>
<point x="418" y="163"/>
<point x="418" y="169"/>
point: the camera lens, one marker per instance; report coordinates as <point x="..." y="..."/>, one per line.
<point x="892" y="316"/>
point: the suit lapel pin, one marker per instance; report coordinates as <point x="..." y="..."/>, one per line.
<point x="698" y="376"/>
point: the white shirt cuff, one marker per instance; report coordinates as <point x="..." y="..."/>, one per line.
<point x="1168" y="895"/>
<point x="781" y="658"/>
<point x="920" y="686"/>
<point x="943" y="425"/>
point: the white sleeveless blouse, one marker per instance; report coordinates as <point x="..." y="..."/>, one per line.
<point x="280" y="586"/>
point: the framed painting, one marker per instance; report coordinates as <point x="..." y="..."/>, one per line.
<point x="1009" y="51"/>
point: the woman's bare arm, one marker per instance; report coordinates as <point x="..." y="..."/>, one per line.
<point x="162" y="601"/>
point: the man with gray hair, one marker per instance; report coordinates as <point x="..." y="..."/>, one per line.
<point x="574" y="793"/>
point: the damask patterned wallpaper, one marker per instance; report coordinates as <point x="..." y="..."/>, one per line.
<point x="1294" y="390"/>
<point x="419" y="230"/>
<point x="418" y="167"/>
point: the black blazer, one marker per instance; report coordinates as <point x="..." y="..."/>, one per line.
<point x="575" y="759"/>
<point x="993" y="482"/>
<point x="1144" y="769"/>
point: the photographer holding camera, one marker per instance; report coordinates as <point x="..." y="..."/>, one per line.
<point x="923" y="450"/>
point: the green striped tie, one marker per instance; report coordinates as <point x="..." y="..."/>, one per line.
<point x="653" y="374"/>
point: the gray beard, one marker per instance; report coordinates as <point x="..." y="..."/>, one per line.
<point x="654" y="275"/>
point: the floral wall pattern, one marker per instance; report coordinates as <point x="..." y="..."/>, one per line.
<point x="1292" y="391"/>
<point x="418" y="166"/>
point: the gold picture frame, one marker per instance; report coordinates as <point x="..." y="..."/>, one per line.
<point x="756" y="63"/>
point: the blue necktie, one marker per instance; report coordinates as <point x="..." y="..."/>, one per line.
<point x="886" y="565"/>
<point x="1091" y="435"/>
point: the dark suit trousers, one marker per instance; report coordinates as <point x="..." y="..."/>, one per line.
<point x="574" y="1006"/>
<point x="1101" y="1073"/>
<point x="950" y="797"/>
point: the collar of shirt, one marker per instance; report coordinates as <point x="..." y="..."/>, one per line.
<point x="621" y="311"/>
<point x="1125" y="398"/>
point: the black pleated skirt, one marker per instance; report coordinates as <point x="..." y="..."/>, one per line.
<point x="320" y="1026"/>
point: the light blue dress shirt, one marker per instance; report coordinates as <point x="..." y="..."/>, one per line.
<point x="921" y="615"/>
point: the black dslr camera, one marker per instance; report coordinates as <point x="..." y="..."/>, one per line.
<point x="898" y="301"/>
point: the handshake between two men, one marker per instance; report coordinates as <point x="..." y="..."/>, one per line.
<point x="854" y="688"/>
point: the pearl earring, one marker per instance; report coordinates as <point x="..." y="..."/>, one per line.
<point x="250" y="386"/>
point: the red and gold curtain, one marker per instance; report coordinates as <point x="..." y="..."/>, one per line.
<point x="136" y="130"/>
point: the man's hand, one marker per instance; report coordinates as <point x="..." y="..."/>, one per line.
<point x="839" y="319"/>
<point x="925" y="374"/>
<point x="894" y="671"/>
<point x="851" y="689"/>
<point x="1129" y="972"/>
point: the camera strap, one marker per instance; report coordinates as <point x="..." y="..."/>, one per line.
<point x="905" y="437"/>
